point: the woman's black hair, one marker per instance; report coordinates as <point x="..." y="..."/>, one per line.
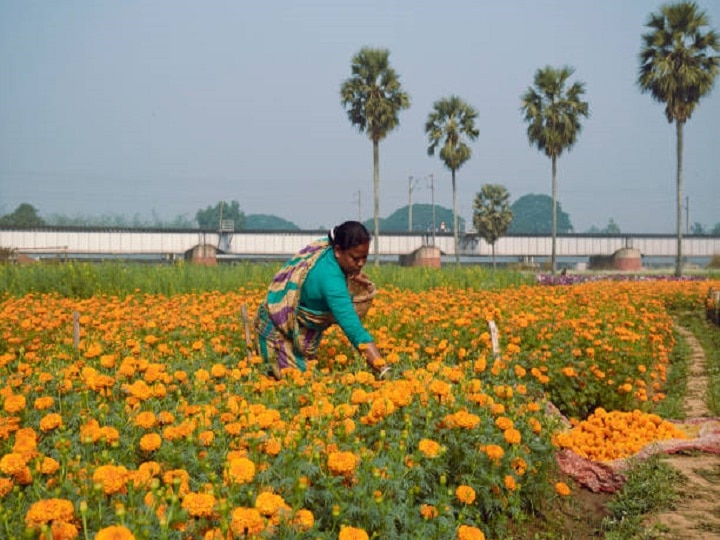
<point x="348" y="235"/>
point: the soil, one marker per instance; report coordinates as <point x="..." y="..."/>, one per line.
<point x="696" y="515"/>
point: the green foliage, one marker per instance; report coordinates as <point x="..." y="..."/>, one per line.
<point x="211" y="217"/>
<point x="25" y="215"/>
<point x="492" y="214"/>
<point x="267" y="222"/>
<point x="422" y="217"/>
<point x="532" y="214"/>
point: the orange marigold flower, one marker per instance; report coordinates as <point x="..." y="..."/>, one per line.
<point x="115" y="532"/>
<point x="145" y="419"/>
<point x="50" y="421"/>
<point x="429" y="448"/>
<point x="12" y="463"/>
<point x="352" y="533"/>
<point x="428" y="511"/>
<point x="241" y="470"/>
<point x="14" y="404"/>
<point x="494" y="452"/>
<point x="6" y="486"/>
<point x="199" y="504"/>
<point x="48" y="510"/>
<point x="512" y="436"/>
<point x="304" y="519"/>
<point x="465" y="494"/>
<point x="342" y="463"/>
<point x="509" y="482"/>
<point x="561" y="488"/>
<point x="206" y="438"/>
<point x="150" y="442"/>
<point x="62" y="530"/>
<point x="466" y="532"/>
<point x="247" y="522"/>
<point x="269" y="504"/>
<point x="43" y="403"/>
<point x="48" y="465"/>
<point x="112" y="478"/>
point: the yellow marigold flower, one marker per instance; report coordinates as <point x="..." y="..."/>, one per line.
<point x="115" y="532"/>
<point x="561" y="488"/>
<point x="199" y="504"/>
<point x="14" y="404"/>
<point x="342" y="463"/>
<point x="512" y="436"/>
<point x="304" y="519"/>
<point x="6" y="486"/>
<point x="145" y="419"/>
<point x="466" y="532"/>
<point x="352" y="533"/>
<point x="150" y="442"/>
<point x="247" y="522"/>
<point x="48" y="510"/>
<point x="50" y="421"/>
<point x="112" y="478"/>
<point x="48" y="465"/>
<point x="241" y="471"/>
<point x="428" y="511"/>
<point x="269" y="504"/>
<point x="465" y="494"/>
<point x="429" y="448"/>
<point x="218" y="371"/>
<point x="43" y="403"/>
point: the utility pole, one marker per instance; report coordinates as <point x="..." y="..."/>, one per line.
<point x="687" y="214"/>
<point x="432" y="198"/>
<point x="359" y="203"/>
<point x="412" y="182"/>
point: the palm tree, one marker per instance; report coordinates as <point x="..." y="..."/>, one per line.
<point x="492" y="214"/>
<point x="450" y="121"/>
<point x="373" y="98"/>
<point x="677" y="68"/>
<point x="553" y="116"/>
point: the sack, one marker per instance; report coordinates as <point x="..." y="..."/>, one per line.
<point x="362" y="295"/>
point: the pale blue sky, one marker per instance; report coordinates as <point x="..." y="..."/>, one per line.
<point x="135" y="106"/>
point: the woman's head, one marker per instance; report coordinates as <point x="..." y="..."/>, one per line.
<point x="351" y="244"/>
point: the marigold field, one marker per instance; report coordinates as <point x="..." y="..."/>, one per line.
<point x="143" y="415"/>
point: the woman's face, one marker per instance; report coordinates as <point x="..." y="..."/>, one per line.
<point x="353" y="259"/>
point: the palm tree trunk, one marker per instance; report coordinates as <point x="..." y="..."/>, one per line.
<point x="455" y="220"/>
<point x="376" y="202"/>
<point x="679" y="134"/>
<point x="493" y="255"/>
<point x="554" y="213"/>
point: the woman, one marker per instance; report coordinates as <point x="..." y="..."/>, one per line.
<point x="309" y="294"/>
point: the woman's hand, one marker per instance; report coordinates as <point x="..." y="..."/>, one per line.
<point x="375" y="360"/>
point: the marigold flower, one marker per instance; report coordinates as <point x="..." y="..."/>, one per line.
<point x="62" y="530"/>
<point x="50" y="421"/>
<point x="509" y="482"/>
<point x="352" y="533"/>
<point x="494" y="452"/>
<point x="14" y="404"/>
<point x="465" y="494"/>
<point x="342" y="463"/>
<point x="512" y="436"/>
<point x="466" y="532"/>
<point x="48" y="465"/>
<point x="561" y="488"/>
<point x="199" y="504"/>
<point x="145" y="420"/>
<point x="112" y="478"/>
<point x="115" y="532"/>
<point x="247" y="522"/>
<point x="48" y="510"/>
<point x="269" y="504"/>
<point x="150" y="442"/>
<point x="429" y="448"/>
<point x="12" y="463"/>
<point x="43" y="403"/>
<point x="6" y="486"/>
<point x="241" y="471"/>
<point x="428" y="511"/>
<point x="304" y="519"/>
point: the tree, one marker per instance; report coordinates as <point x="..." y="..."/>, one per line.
<point x="553" y="116"/>
<point x="532" y="214"/>
<point x="422" y="217"/>
<point x="269" y="223"/>
<point x="448" y="125"/>
<point x="211" y="217"/>
<point x="492" y="214"/>
<point x="25" y="215"/>
<point x="677" y="68"/>
<point x="373" y="98"/>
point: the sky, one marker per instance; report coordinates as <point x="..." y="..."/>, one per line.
<point x="164" y="107"/>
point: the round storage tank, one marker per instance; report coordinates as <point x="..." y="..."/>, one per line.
<point x="626" y="259"/>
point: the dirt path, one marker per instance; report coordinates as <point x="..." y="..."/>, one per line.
<point x="697" y="514"/>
